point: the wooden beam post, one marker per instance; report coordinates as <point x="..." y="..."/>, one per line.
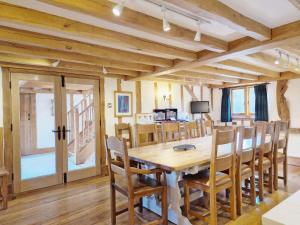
<point x="102" y="129"/>
<point x="282" y="106"/>
<point x="138" y="97"/>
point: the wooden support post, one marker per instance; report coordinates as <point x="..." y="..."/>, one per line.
<point x="155" y="95"/>
<point x="170" y="95"/>
<point x="182" y="98"/>
<point x="138" y="97"/>
<point x="119" y="88"/>
<point x="282" y="106"/>
<point x="102" y="130"/>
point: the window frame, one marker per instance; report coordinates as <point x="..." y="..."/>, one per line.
<point x="247" y="113"/>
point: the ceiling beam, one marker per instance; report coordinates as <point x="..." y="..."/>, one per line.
<point x="189" y="74"/>
<point x="35" y="68"/>
<point x="296" y="3"/>
<point x="102" y="9"/>
<point x="37" y="52"/>
<point x="193" y="81"/>
<point x="232" y="64"/>
<point x="13" y="16"/>
<point x="217" y="11"/>
<point x="223" y="72"/>
<point x="62" y="44"/>
<point x="280" y="36"/>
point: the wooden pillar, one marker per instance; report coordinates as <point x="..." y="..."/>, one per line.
<point x="103" y="167"/>
<point x="182" y="98"/>
<point x="7" y="121"/>
<point x="212" y="99"/>
<point x="201" y="92"/>
<point x="282" y="107"/>
<point x="138" y="97"/>
<point x="170" y="96"/>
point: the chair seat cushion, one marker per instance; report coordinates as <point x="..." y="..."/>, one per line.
<point x="201" y="180"/>
<point x="266" y="162"/>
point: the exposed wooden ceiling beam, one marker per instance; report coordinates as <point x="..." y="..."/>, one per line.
<point x="280" y="36"/>
<point x="296" y="3"/>
<point x="223" y="72"/>
<point x="38" y="52"/>
<point x="18" y="67"/>
<point x="193" y="81"/>
<point x="102" y="9"/>
<point x="189" y="74"/>
<point x="49" y="24"/>
<point x="217" y="11"/>
<point x="52" y="42"/>
<point x="232" y="64"/>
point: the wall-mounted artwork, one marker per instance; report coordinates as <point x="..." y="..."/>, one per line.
<point x="123" y="103"/>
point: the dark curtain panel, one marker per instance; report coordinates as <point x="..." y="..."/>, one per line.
<point x="261" y="103"/>
<point x="225" y="108"/>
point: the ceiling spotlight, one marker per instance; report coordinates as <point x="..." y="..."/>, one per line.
<point x="104" y="70"/>
<point x="166" y="25"/>
<point x="278" y="60"/>
<point x="198" y="33"/>
<point x="118" y="9"/>
<point x="55" y="63"/>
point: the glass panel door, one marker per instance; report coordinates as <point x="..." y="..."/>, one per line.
<point x="36" y="134"/>
<point x="81" y="128"/>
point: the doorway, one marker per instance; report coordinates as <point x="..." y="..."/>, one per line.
<point x="55" y="125"/>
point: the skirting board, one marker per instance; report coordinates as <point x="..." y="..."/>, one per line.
<point x="294" y="161"/>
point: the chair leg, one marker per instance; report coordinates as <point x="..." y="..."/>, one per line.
<point x="213" y="209"/>
<point x="275" y="175"/>
<point x="239" y="195"/>
<point x="285" y="171"/>
<point x="141" y="205"/>
<point x="252" y="189"/>
<point x="261" y="184"/>
<point x="113" y="205"/>
<point x="164" y="205"/>
<point x="131" y="211"/>
<point x="271" y="179"/>
<point x="186" y="199"/>
<point x="232" y="196"/>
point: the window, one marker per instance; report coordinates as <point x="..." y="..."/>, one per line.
<point x="243" y="102"/>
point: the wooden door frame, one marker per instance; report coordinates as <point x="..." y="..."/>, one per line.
<point x="44" y="181"/>
<point x="87" y="172"/>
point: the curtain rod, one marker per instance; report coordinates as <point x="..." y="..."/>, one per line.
<point x="245" y="85"/>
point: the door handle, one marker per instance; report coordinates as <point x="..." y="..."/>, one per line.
<point x="64" y="130"/>
<point x="58" y="131"/>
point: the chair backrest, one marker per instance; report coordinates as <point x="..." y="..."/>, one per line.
<point x="265" y="136"/>
<point x="246" y="146"/>
<point x="223" y="141"/>
<point x="146" y="134"/>
<point x="207" y="127"/>
<point x="122" y="168"/>
<point x="123" y="130"/>
<point x="281" y="136"/>
<point x="171" y="131"/>
<point x="192" y="130"/>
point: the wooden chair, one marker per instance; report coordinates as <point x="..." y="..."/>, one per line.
<point x="245" y="164"/>
<point x="4" y="189"/>
<point x="146" y="134"/>
<point x="214" y="180"/>
<point x="171" y="132"/>
<point x="207" y="127"/>
<point x="123" y="130"/>
<point x="264" y="161"/>
<point x="132" y="183"/>
<point x="192" y="130"/>
<point x="280" y="151"/>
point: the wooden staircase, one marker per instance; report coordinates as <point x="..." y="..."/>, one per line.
<point x="81" y="138"/>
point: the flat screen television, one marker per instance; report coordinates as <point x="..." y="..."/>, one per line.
<point x="199" y="107"/>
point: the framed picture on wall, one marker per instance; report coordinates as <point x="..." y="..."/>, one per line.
<point x="123" y="103"/>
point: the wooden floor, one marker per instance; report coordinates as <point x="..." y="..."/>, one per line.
<point x="87" y="202"/>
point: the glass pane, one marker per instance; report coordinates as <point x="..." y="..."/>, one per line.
<point x="37" y="121"/>
<point x="81" y="125"/>
<point x="238" y="101"/>
<point x="251" y="100"/>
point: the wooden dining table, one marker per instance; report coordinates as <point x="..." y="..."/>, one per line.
<point x="176" y="163"/>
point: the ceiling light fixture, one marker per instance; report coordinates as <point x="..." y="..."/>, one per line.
<point x="166" y="25"/>
<point x="278" y="60"/>
<point x="198" y="33"/>
<point x="118" y="9"/>
<point x="104" y="70"/>
<point x="55" y="63"/>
